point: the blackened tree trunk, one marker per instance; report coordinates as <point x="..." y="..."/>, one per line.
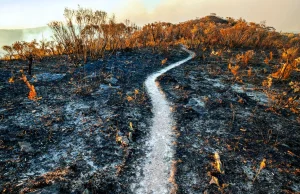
<point x="30" y="59"/>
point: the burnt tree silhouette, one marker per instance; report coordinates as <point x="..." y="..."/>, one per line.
<point x="30" y="60"/>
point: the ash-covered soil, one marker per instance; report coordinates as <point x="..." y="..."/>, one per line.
<point x="87" y="133"/>
<point x="217" y="113"/>
<point x="88" y="130"/>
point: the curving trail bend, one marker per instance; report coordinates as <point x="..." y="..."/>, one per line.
<point x="157" y="167"/>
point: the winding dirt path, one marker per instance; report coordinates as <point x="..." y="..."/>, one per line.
<point x="157" y="167"/>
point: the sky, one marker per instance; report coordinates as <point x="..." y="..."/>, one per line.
<point x="282" y="14"/>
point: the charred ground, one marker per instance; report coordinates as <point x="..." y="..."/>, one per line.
<point x="78" y="137"/>
<point x="218" y="112"/>
<point x="75" y="125"/>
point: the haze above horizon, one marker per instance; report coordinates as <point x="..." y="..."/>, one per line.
<point x="283" y="15"/>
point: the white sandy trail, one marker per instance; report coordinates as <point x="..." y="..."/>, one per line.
<point x="156" y="170"/>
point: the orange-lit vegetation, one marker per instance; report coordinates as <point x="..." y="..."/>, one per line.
<point x="261" y="166"/>
<point x="164" y="61"/>
<point x="234" y="69"/>
<point x="11" y="80"/>
<point x="46" y="179"/>
<point x="32" y="92"/>
<point x="291" y="62"/>
<point x="218" y="164"/>
<point x="87" y="35"/>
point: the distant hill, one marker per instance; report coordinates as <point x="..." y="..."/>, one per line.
<point x="208" y="19"/>
<point x="9" y="36"/>
<point x="215" y="19"/>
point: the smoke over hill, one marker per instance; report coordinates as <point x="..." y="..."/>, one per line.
<point x="9" y="36"/>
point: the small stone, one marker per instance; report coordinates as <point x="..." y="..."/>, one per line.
<point x="129" y="93"/>
<point x="112" y="80"/>
<point x="86" y="191"/>
<point x="104" y="87"/>
<point x="130" y="136"/>
<point x="25" y="147"/>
